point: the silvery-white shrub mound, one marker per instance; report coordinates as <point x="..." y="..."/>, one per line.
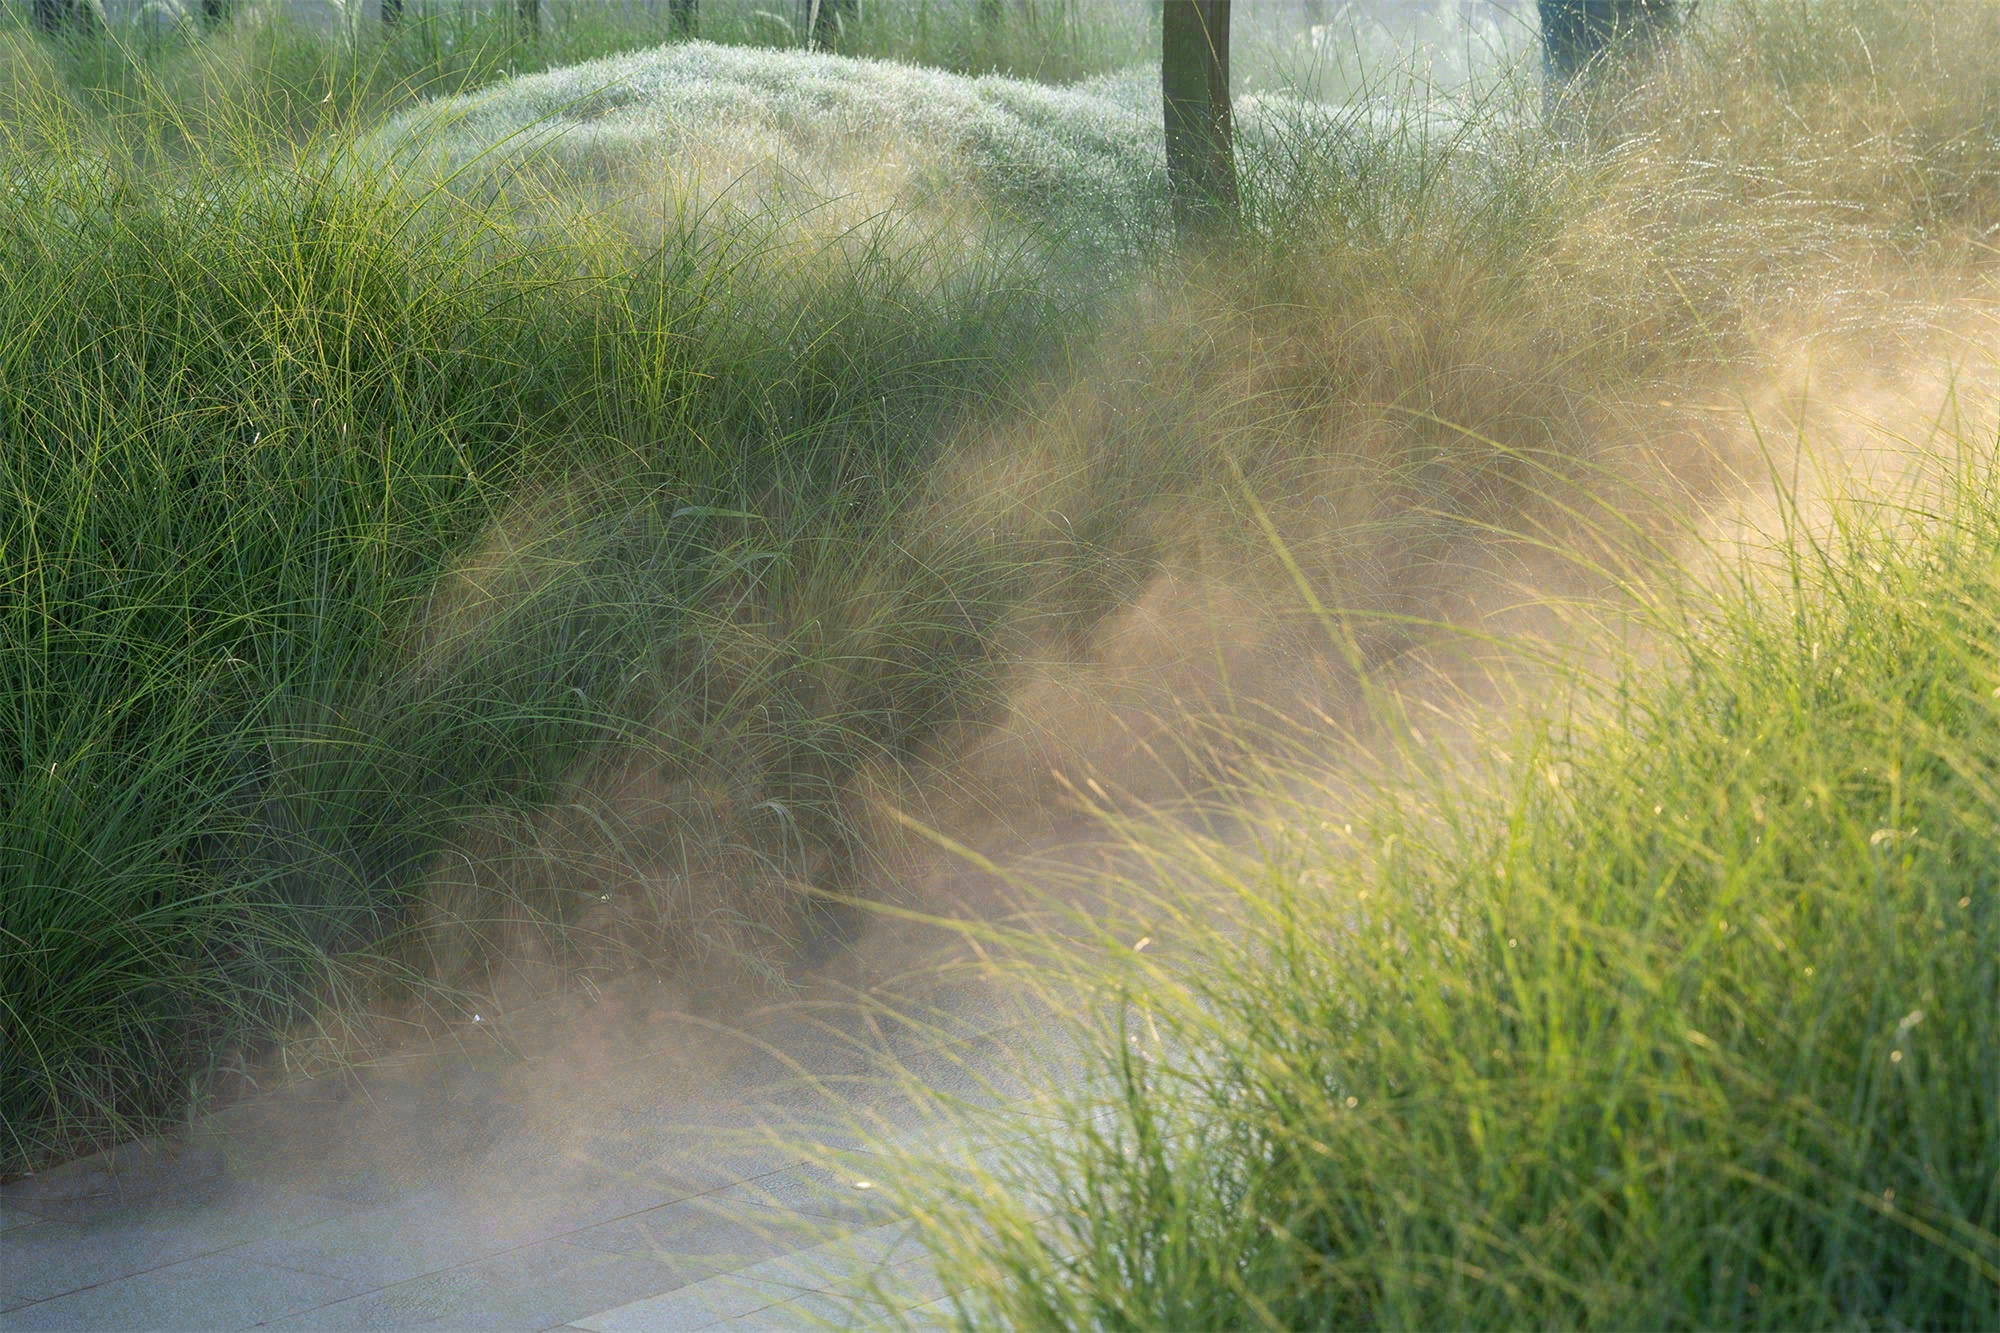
<point x="791" y="147"/>
<point x="800" y="133"/>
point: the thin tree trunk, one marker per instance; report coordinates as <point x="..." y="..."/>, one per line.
<point x="56" y="17"/>
<point x="1194" y="83"/>
<point x="1577" y="34"/>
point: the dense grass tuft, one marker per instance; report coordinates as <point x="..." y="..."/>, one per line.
<point x="1680" y="1015"/>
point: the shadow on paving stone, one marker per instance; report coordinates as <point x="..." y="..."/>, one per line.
<point x="142" y="1174"/>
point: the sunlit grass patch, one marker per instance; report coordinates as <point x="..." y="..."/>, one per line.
<point x="1680" y="1011"/>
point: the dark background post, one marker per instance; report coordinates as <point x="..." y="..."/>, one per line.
<point x="1194" y="83"/>
<point x="55" y="17"/>
<point x="1578" y="33"/>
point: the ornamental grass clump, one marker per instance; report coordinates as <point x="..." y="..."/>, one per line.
<point x="340" y="512"/>
<point x="1679" y="1009"/>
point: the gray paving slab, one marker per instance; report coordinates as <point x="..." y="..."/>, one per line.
<point x="537" y="1287"/>
<point x="685" y="1166"/>
<point x="370" y="1188"/>
<point x="46" y="1259"/>
<point x="851" y="1194"/>
<point x="888" y="1243"/>
<point x="799" y="1048"/>
<point x="911" y="1284"/>
<point x="810" y="1120"/>
<point x="840" y="1260"/>
<point x="522" y="1200"/>
<point x="386" y="1245"/>
<point x="643" y="1196"/>
<point x="820" y="1268"/>
<point x="877" y="1271"/>
<point x="740" y="1135"/>
<point x="375" y="1141"/>
<point x="853" y="1035"/>
<point x="217" y="1291"/>
<point x="440" y="1229"/>
<point x="814" y="1309"/>
<point x="141" y="1173"/>
<point x="547" y="1198"/>
<point x="703" y="1304"/>
<point x="983" y="1072"/>
<point x="709" y="1234"/>
<point x="936" y="1315"/>
<point x="924" y="1094"/>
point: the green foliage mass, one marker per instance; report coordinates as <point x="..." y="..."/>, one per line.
<point x="253" y="418"/>
<point x="375" y="503"/>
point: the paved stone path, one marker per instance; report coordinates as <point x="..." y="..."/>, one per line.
<point x="621" y="1168"/>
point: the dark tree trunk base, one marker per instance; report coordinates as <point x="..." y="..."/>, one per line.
<point x="1577" y="34"/>
<point x="63" y="17"/>
<point x="1194" y="84"/>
